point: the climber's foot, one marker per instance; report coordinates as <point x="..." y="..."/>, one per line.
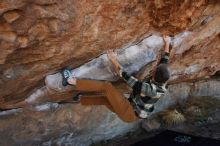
<point x="67" y="80"/>
<point x="71" y="81"/>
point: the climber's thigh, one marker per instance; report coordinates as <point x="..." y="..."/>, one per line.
<point x="95" y="100"/>
<point x="89" y="85"/>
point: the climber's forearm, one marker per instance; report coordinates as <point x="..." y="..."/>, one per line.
<point x="114" y="61"/>
<point x="167" y="41"/>
<point x="165" y="57"/>
<point x="167" y="48"/>
<point x="117" y="66"/>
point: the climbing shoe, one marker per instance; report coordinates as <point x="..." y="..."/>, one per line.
<point x="66" y="73"/>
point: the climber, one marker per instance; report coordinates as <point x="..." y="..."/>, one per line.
<point x="144" y="93"/>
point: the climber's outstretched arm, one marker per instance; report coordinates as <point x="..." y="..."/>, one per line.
<point x="130" y="80"/>
<point x="133" y="82"/>
<point x="167" y="41"/>
<point x="165" y="57"/>
<point x="112" y="57"/>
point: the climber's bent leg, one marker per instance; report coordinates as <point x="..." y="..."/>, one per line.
<point x="120" y="105"/>
<point x="95" y="100"/>
<point x="90" y="85"/>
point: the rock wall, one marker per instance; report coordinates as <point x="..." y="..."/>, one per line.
<point x="198" y="102"/>
<point x="38" y="38"/>
<point x="62" y="125"/>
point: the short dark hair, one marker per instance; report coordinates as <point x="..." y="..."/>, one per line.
<point x="162" y="73"/>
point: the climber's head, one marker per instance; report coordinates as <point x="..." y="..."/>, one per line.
<point x="162" y="73"/>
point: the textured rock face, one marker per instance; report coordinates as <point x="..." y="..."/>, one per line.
<point x="37" y="38"/>
<point x="199" y="102"/>
<point x="62" y="125"/>
<point x="40" y="37"/>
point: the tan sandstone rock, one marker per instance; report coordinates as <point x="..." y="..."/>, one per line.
<point x="8" y="36"/>
<point x="11" y="16"/>
<point x="52" y="34"/>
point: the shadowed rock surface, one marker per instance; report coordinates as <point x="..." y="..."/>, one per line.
<point x="38" y="38"/>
